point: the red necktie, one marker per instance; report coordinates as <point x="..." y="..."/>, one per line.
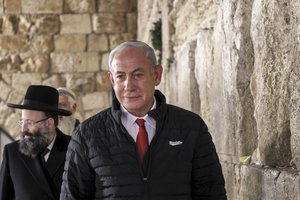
<point x="142" y="139"/>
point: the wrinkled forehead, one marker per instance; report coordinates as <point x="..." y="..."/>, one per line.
<point x="130" y="58"/>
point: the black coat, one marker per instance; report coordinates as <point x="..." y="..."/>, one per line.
<point x="23" y="178"/>
<point x="181" y="162"/>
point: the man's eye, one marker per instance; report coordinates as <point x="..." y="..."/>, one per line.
<point x="120" y="77"/>
<point x="138" y="75"/>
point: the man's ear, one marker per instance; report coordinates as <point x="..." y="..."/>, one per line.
<point x="74" y="107"/>
<point x="111" y="78"/>
<point x="157" y="74"/>
<point x="50" y="123"/>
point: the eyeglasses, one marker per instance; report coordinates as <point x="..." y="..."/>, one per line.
<point x="29" y="122"/>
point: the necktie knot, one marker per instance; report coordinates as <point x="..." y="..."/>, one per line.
<point x="140" y="122"/>
<point x="42" y="156"/>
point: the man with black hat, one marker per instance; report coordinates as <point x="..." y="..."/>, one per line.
<point x="32" y="167"/>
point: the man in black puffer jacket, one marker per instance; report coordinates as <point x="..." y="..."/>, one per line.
<point x="104" y="160"/>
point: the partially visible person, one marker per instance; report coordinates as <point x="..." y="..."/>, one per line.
<point x="67" y="101"/>
<point x="32" y="167"/>
<point x="141" y="147"/>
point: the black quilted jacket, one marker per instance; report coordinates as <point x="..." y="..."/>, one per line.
<point x="181" y="163"/>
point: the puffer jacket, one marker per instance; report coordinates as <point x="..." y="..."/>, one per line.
<point x="181" y="162"/>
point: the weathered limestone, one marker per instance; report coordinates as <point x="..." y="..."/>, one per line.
<point x="72" y="24"/>
<point x="65" y="43"/>
<point x="61" y="43"/>
<point x="42" y="44"/>
<point x="109" y="23"/>
<point x="236" y="63"/>
<point x="246" y="59"/>
<point x="113" y="5"/>
<point x="98" y="42"/>
<point x="270" y="80"/>
<point x="188" y="97"/>
<point x="13" y="43"/>
<point x="79" y="6"/>
<point x="42" y="6"/>
<point x="12" y="6"/>
<point x="74" y="62"/>
<point x="295" y="86"/>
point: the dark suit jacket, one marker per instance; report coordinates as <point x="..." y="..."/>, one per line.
<point x="24" y="178"/>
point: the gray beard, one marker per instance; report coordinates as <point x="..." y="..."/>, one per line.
<point x="36" y="143"/>
<point x="67" y="125"/>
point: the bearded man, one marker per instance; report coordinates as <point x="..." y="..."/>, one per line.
<point x="32" y="167"/>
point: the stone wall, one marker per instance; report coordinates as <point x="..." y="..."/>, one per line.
<point x="61" y="43"/>
<point x="236" y="63"/>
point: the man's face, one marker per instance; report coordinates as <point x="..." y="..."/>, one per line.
<point x="64" y="103"/>
<point x="134" y="80"/>
<point x="35" y="137"/>
<point x="66" y="123"/>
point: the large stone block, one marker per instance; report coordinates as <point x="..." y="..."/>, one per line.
<point x="5" y="112"/>
<point x="98" y="42"/>
<point x="107" y="6"/>
<point x="187" y="88"/>
<point x="109" y="23"/>
<point x="42" y="6"/>
<point x="103" y="82"/>
<point x="96" y="101"/>
<point x="42" y="44"/>
<point x="5" y="90"/>
<point x="1" y="7"/>
<point x="272" y="41"/>
<point x="228" y="75"/>
<point x="13" y="43"/>
<point x="20" y="83"/>
<point x="104" y="62"/>
<point x="65" y="43"/>
<point x="295" y="116"/>
<point x="12" y="6"/>
<point x="116" y="39"/>
<point x="77" y="23"/>
<point x="9" y="24"/>
<point x="34" y="62"/>
<point x="10" y="63"/>
<point x="54" y="81"/>
<point x="38" y="24"/>
<point x="202" y="14"/>
<point x="75" y="62"/>
<point x="79" y="6"/>
<point x="11" y="124"/>
<point x="294" y="87"/>
<point x="80" y="83"/>
<point x="131" y="19"/>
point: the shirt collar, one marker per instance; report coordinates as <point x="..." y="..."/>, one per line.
<point x="50" y="146"/>
<point x="130" y="119"/>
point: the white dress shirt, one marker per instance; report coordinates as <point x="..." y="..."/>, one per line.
<point x="50" y="146"/>
<point x="128" y="121"/>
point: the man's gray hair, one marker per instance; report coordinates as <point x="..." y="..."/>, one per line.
<point x="62" y="91"/>
<point x="148" y="51"/>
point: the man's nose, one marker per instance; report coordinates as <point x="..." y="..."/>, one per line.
<point x="129" y="83"/>
<point x="24" y="127"/>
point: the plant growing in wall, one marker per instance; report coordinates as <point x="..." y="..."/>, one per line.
<point x="156" y="38"/>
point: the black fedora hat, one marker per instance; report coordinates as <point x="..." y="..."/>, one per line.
<point x="41" y="98"/>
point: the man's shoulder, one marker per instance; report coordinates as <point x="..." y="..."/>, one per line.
<point x="97" y="119"/>
<point x="184" y="116"/>
<point x="182" y="111"/>
<point x="13" y="146"/>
